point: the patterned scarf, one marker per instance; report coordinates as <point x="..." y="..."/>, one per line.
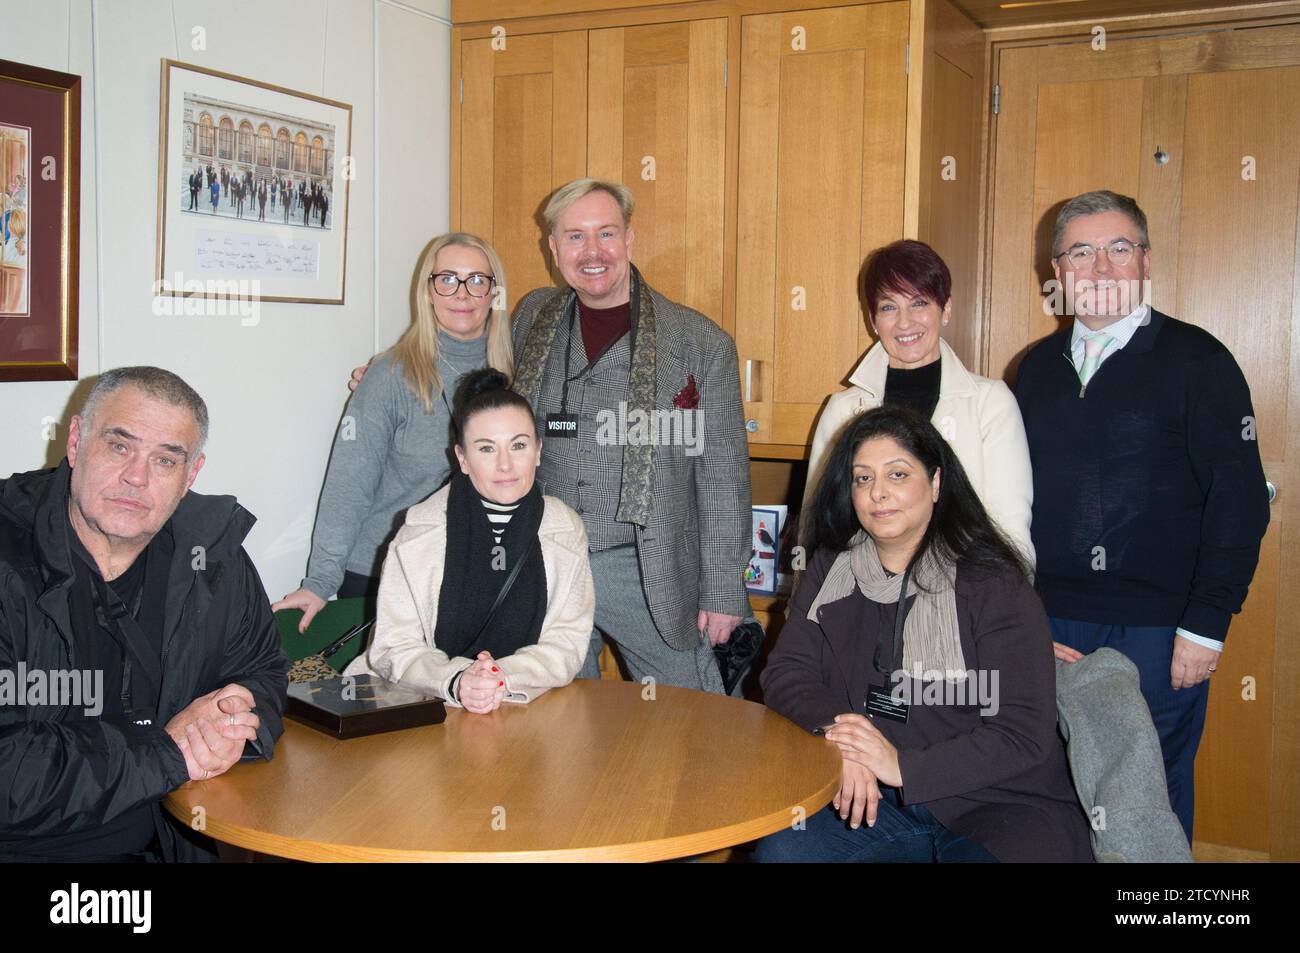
<point x="635" y="496"/>
<point x="931" y="642"/>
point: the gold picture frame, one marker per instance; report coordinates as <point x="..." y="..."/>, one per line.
<point x="268" y="218"/>
<point x="40" y="200"/>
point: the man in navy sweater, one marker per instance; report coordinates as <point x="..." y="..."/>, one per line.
<point x="1149" y="495"/>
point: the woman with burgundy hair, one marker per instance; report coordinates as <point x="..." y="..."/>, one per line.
<point x="907" y="290"/>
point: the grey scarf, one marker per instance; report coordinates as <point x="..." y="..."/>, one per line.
<point x="931" y="643"/>
<point x="635" y="496"/>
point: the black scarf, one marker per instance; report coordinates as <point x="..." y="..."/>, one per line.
<point x="474" y="572"/>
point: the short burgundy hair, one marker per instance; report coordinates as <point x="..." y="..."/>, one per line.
<point x="905" y="267"/>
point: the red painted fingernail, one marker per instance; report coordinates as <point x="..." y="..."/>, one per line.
<point x="495" y="669"/>
<point x="500" y="683"/>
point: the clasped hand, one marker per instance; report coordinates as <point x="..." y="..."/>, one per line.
<point x="869" y="760"/>
<point x="482" y="687"/>
<point x="212" y="729"/>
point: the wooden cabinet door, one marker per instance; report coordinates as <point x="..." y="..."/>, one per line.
<point x="1219" y="109"/>
<point x="523" y="133"/>
<point x="822" y="140"/>
<point x="657" y="117"/>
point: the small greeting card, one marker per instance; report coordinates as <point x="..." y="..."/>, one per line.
<point x="761" y="571"/>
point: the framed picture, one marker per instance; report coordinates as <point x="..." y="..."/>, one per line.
<point x="252" y="189"/>
<point x="40" y="195"/>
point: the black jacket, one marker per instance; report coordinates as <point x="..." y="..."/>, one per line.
<point x="999" y="779"/>
<point x="59" y="772"/>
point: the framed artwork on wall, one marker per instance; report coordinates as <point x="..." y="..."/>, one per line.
<point x="252" y="189"/>
<point x="40" y="195"/>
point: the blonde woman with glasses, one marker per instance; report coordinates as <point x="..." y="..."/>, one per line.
<point x="392" y="449"/>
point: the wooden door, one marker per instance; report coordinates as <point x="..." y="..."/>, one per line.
<point x="822" y="141"/>
<point x="657" y="122"/>
<point x="1219" y="109"/>
<point x="523" y="133"/>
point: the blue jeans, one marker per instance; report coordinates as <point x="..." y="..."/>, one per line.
<point x="1178" y="714"/>
<point x="903" y="834"/>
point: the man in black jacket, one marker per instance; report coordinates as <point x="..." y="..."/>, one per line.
<point x="1149" y="495"/>
<point x="116" y="580"/>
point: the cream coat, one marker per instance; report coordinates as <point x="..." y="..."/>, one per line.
<point x="979" y="417"/>
<point x="403" y="649"/>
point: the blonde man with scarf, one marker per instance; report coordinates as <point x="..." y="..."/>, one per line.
<point x="605" y="362"/>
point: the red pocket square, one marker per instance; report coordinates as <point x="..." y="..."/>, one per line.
<point x="689" y="396"/>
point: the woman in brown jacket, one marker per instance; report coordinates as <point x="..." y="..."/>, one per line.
<point x="946" y="719"/>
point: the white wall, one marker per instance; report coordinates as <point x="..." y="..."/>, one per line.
<point x="274" y="390"/>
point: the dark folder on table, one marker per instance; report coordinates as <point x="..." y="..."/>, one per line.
<point x="361" y="705"/>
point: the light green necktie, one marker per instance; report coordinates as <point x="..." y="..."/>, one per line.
<point x="1094" y="346"/>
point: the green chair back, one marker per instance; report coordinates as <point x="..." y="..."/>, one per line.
<point x="331" y="622"/>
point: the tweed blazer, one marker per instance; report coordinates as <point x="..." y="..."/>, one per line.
<point x="694" y="548"/>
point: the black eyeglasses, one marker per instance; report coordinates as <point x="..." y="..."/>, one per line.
<point x="445" y="284"/>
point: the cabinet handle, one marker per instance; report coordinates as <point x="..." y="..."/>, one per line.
<point x="1272" y="490"/>
<point x="749" y="381"/>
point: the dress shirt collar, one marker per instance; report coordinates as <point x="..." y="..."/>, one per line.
<point x="1122" y="330"/>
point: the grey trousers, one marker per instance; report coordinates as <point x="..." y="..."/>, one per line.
<point x="623" y="615"/>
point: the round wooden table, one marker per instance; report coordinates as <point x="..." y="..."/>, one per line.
<point x="591" y="771"/>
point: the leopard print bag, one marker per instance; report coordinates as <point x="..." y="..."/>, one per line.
<point x="315" y="667"/>
<point x="311" y="668"/>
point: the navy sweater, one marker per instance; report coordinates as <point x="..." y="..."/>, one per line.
<point x="1149" y="496"/>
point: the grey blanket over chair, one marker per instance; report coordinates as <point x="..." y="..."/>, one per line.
<point x="1115" y="761"/>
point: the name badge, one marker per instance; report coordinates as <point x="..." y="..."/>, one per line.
<point x="561" y="425"/>
<point x="881" y="702"/>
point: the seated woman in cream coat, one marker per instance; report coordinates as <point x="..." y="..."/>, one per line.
<point x="908" y="292"/>
<point x="436" y="630"/>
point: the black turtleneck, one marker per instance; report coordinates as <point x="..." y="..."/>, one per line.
<point x="916" y="388"/>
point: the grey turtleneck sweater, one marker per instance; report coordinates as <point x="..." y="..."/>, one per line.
<point x="388" y="455"/>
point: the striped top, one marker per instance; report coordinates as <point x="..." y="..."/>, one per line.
<point x="498" y="515"/>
